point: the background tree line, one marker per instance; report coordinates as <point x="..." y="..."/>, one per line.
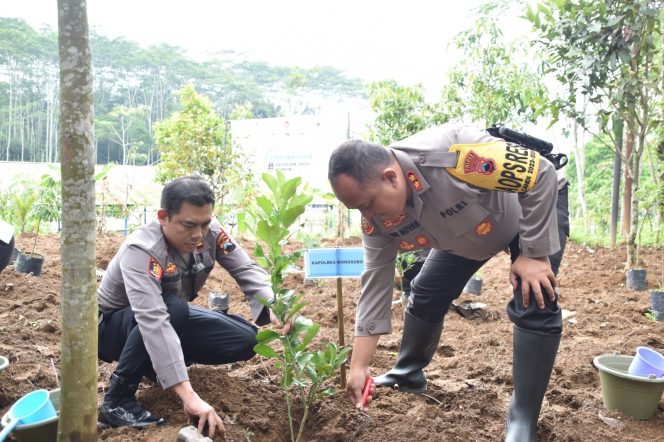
<point x="136" y="87"/>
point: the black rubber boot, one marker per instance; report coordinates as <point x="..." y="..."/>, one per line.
<point x="534" y="355"/>
<point x="418" y="345"/>
<point x="120" y="408"/>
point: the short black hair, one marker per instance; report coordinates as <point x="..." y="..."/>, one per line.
<point x="361" y="160"/>
<point x="191" y="188"/>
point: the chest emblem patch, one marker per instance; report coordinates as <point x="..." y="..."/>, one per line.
<point x="367" y="227"/>
<point x="422" y="241"/>
<point x="406" y="245"/>
<point x="484" y="228"/>
<point x="224" y="242"/>
<point x="154" y="269"/>
<point x="393" y="222"/>
<point x="170" y="268"/>
<point x="414" y="181"/>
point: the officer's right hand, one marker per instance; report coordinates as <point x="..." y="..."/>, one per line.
<point x="356" y="380"/>
<point x="197" y="409"/>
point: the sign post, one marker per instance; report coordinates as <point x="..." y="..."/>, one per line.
<point x="336" y="263"/>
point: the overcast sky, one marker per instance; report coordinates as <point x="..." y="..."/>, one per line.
<point x="371" y="39"/>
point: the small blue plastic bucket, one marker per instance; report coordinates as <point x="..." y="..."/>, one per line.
<point x="646" y="363"/>
<point x="35" y="406"/>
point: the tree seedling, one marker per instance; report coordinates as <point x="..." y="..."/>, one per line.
<point x="303" y="372"/>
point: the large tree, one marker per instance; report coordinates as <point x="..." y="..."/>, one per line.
<point x="608" y="53"/>
<point x="78" y="406"/>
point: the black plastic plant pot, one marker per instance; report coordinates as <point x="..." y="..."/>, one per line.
<point x="473" y="286"/>
<point x="657" y="304"/>
<point x="636" y="279"/>
<point x="29" y="263"/>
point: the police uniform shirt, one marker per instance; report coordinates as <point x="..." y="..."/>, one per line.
<point x="469" y="194"/>
<point x="145" y="267"/>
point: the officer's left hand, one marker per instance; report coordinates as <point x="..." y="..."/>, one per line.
<point x="277" y="324"/>
<point x="536" y="276"/>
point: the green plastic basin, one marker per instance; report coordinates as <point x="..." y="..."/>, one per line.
<point x="635" y="396"/>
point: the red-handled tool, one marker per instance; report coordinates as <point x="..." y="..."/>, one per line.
<point x="365" y="392"/>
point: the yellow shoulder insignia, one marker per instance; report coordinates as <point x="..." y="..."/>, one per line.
<point x="497" y="165"/>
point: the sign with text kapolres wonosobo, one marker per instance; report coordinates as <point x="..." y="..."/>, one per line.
<point x="335" y="262"/>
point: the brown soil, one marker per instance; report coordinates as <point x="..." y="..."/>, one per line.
<point x="470" y="376"/>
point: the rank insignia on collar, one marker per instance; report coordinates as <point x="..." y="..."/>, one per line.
<point x="414" y="180"/>
<point x="484" y="228"/>
<point x="224" y="242"/>
<point x="393" y="222"/>
<point x="154" y="269"/>
<point x="367" y="227"/>
<point x="422" y="241"/>
<point x="406" y="245"/>
<point x="170" y="268"/>
<point x="474" y="163"/>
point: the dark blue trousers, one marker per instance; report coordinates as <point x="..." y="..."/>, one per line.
<point x="444" y="275"/>
<point x="206" y="337"/>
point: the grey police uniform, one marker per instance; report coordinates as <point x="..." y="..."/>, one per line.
<point x="464" y="222"/>
<point x="146" y="321"/>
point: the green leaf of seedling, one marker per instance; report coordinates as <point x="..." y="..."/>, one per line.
<point x="296" y="308"/>
<point x="309" y="335"/>
<point x="270" y="181"/>
<point x="328" y="392"/>
<point x="302" y="323"/>
<point x="258" y="251"/>
<point x="265" y="350"/>
<point x="287" y="378"/>
<point x="265" y="336"/>
<point x="265" y="204"/>
<point x="263" y="262"/>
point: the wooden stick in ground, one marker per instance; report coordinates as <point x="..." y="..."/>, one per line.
<point x="340" y="320"/>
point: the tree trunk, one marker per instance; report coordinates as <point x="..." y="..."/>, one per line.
<point x="615" y="188"/>
<point x="627" y="196"/>
<point x="78" y="410"/>
<point x="580" y="163"/>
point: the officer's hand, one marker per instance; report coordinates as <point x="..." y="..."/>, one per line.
<point x="197" y="408"/>
<point x="536" y="277"/>
<point x="356" y="380"/>
<point x="277" y="324"/>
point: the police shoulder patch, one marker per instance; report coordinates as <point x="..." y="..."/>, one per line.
<point x="224" y="242"/>
<point x="154" y="269"/>
<point x="497" y="165"/>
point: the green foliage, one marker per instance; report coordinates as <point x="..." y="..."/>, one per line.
<point x="402" y="111"/>
<point x="303" y="372"/>
<point x="497" y="81"/>
<point x="270" y="221"/>
<point x="598" y="178"/>
<point x="602" y="51"/>
<point x="404" y="262"/>
<point x="198" y="141"/>
<point x="48" y="203"/>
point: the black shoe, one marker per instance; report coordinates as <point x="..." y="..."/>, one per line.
<point x="134" y="417"/>
<point x="120" y="408"/>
